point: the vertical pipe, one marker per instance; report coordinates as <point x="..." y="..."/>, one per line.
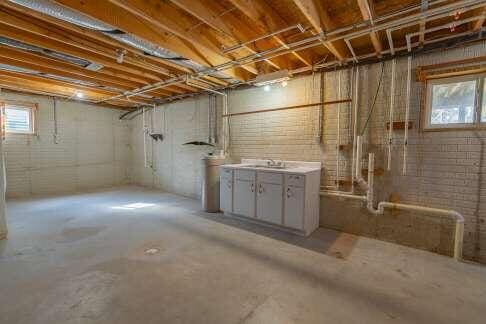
<point x="359" y="149"/>
<point x="55" y="135"/>
<point x="225" y="124"/>
<point x="371" y="173"/>
<point x="355" y="126"/>
<point x="338" y="139"/>
<point x="152" y="142"/>
<point x="144" y="133"/>
<point x="407" y="112"/>
<point x="321" y="107"/>
<point x="392" y="104"/>
<point x="210" y="131"/>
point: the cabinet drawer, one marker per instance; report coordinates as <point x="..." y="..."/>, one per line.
<point x="295" y="180"/>
<point x="270" y="177"/>
<point x="245" y="175"/>
<point x="226" y="173"/>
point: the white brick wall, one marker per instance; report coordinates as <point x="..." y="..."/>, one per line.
<point x="93" y="149"/>
<point x="445" y="169"/>
<point x="176" y="166"/>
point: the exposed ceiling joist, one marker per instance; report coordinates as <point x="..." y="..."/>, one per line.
<point x="267" y="21"/>
<point x="311" y="11"/>
<point x="367" y="13"/>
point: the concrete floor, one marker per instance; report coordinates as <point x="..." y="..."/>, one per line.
<point x="82" y="259"/>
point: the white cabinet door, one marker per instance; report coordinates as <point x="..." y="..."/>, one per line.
<point x="226" y="193"/>
<point x="244" y="198"/>
<point x="294" y="207"/>
<point x="269" y="202"/>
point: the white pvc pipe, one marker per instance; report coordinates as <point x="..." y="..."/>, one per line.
<point x="338" y="139"/>
<point x="407" y="113"/>
<point x="392" y="104"/>
<point x="144" y="134"/>
<point x="454" y="215"/>
<point x="343" y="195"/>
<point x="355" y="127"/>
<point x="3" y="186"/>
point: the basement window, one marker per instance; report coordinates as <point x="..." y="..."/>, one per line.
<point x="19" y="118"/>
<point x="458" y="102"/>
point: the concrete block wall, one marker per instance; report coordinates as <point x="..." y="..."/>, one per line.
<point x="92" y="151"/>
<point x="444" y="169"/>
<point x="175" y="167"/>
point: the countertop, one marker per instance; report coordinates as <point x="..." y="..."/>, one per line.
<point x="291" y="169"/>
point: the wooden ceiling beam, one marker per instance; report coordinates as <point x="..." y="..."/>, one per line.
<point x="311" y="11"/>
<point x="210" y="17"/>
<point x="268" y="21"/>
<point x="133" y="53"/>
<point x="42" y="42"/>
<point x="367" y="12"/>
<point x="57" y="65"/>
<point x="129" y="23"/>
<point x="106" y="55"/>
<point x="479" y="24"/>
<point x="151" y="13"/>
<point x="24" y="90"/>
<point x="106" y="92"/>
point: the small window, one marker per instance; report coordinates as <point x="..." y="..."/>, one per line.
<point x="19" y="118"/>
<point x="456" y="102"/>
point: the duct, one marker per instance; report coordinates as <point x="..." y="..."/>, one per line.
<point x="60" y="12"/>
<point x="39" y="50"/>
<point x="63" y="13"/>
<point x="11" y="68"/>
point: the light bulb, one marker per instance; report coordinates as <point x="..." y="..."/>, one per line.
<point x="79" y="94"/>
<point x="266" y="88"/>
<point x="284" y="83"/>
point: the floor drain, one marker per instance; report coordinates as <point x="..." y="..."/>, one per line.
<point x="152" y="251"/>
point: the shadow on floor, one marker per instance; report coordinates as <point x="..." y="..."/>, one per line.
<point x="325" y="241"/>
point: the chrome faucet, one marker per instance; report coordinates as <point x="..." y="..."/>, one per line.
<point x="271" y="162"/>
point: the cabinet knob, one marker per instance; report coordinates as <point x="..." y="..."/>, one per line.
<point x="252" y="187"/>
<point x="288" y="193"/>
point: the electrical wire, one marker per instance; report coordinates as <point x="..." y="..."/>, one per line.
<point x="374" y="99"/>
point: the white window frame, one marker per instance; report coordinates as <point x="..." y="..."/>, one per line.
<point x="30" y="107"/>
<point x="479" y="78"/>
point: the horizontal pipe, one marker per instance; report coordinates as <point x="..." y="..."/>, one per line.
<point x="316" y="38"/>
<point x="240" y="45"/>
<point x="342" y="195"/>
<point x="325" y="103"/>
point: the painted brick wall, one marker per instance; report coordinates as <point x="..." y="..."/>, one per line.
<point x="93" y="149"/>
<point x="176" y="167"/>
<point x="444" y="170"/>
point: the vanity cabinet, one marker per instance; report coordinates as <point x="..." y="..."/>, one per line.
<point x="294" y="207"/>
<point x="269" y="197"/>
<point x="244" y="191"/>
<point x="273" y="197"/>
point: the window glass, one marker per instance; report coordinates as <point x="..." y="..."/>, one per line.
<point x="18" y="119"/>
<point x="453" y="103"/>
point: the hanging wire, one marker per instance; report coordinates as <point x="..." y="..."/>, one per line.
<point x="374" y="99"/>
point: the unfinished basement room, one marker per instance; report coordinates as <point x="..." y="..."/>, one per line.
<point x="242" y="161"/>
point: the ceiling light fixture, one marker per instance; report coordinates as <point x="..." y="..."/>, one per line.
<point x="266" y="87"/>
<point x="79" y="94"/>
<point x="284" y="84"/>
